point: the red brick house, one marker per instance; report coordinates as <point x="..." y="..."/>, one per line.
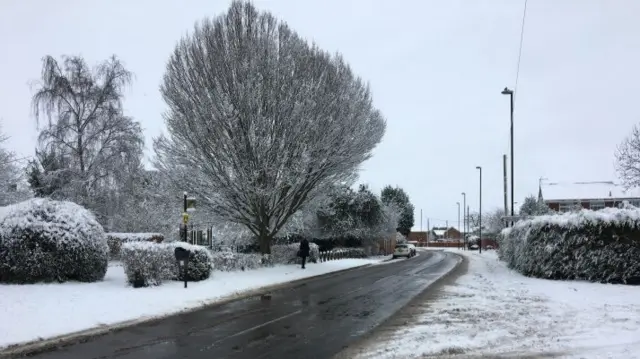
<point x="453" y="233"/>
<point x="420" y="237"/>
<point x="564" y="197"/>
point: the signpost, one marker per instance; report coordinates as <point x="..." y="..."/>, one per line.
<point x="189" y="205"/>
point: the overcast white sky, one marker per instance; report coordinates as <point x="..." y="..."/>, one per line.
<point x="436" y="69"/>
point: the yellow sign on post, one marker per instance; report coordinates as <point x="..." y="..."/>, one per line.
<point x="185" y="217"/>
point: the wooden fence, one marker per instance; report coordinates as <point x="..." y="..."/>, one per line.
<point x="442" y="244"/>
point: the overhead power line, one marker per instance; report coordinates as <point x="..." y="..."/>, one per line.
<point x="524" y="17"/>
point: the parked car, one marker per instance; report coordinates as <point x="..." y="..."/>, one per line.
<point x="402" y="250"/>
<point x="412" y="247"/>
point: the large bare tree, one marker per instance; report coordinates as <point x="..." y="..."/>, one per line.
<point x="628" y="159"/>
<point x="260" y="121"/>
<point x="87" y="130"/>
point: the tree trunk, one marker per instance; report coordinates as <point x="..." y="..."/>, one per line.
<point x="265" y="243"/>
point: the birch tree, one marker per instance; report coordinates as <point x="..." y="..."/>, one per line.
<point x="260" y="120"/>
<point x="86" y="131"/>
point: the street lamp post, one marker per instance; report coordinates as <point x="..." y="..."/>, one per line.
<point x="465" y="220"/>
<point x="458" y="203"/>
<point x="480" y="209"/>
<point x="509" y="92"/>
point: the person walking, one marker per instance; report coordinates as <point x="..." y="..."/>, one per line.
<point x="303" y="252"/>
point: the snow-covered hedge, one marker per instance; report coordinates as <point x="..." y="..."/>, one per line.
<point x="288" y="253"/>
<point x="115" y="241"/>
<point x="230" y="261"/>
<point x="149" y="263"/>
<point x="602" y="246"/>
<point x="355" y="253"/>
<point x="51" y="241"/>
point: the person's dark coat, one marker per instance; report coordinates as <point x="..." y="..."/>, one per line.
<point x="304" y="248"/>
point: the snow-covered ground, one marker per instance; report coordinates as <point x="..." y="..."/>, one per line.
<point x="41" y="311"/>
<point x="492" y="310"/>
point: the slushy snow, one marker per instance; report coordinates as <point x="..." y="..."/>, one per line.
<point x="493" y="310"/>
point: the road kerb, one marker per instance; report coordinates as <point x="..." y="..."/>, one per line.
<point x="44" y="345"/>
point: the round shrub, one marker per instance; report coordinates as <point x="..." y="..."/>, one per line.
<point x="200" y="261"/>
<point x="51" y="241"/>
<point x="600" y="246"/>
<point x="115" y="241"/>
<point x="149" y="263"/>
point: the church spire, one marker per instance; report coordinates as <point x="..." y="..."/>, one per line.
<point x="540" y="199"/>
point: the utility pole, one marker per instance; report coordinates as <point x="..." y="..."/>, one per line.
<point x="458" y="203"/>
<point x="420" y="219"/>
<point x="466" y="240"/>
<point x="504" y="167"/>
<point x="428" y="231"/>
<point x="464" y="217"/>
<point x="480" y="210"/>
<point x="446" y="231"/>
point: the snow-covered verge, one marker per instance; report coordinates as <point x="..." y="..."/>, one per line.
<point x="33" y="312"/>
<point x="492" y="310"/>
<point x="600" y="246"/>
<point x="148" y="263"/>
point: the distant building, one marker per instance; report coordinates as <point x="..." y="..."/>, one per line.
<point x="565" y="197"/>
<point x="419" y="236"/>
<point x="444" y="233"/>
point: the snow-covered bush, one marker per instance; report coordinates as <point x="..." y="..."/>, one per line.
<point x="602" y="246"/>
<point x="149" y="263"/>
<point x="356" y="253"/>
<point x="230" y="261"/>
<point x="288" y="253"/>
<point x="115" y="241"/>
<point x="45" y="241"/>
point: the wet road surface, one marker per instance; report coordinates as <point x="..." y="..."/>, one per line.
<point x="316" y="319"/>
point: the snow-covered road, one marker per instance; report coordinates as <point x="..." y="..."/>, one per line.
<point x="41" y="311"/>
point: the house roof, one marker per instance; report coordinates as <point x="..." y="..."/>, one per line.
<point x="586" y="190"/>
<point x="439" y="232"/>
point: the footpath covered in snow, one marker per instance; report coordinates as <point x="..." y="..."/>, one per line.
<point x="41" y="311"/>
<point x="494" y="311"/>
